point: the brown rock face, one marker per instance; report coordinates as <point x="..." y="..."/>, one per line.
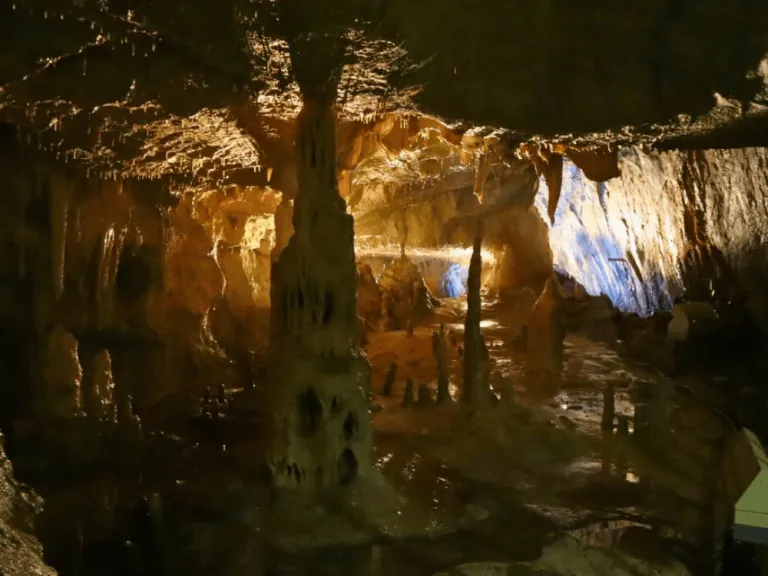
<point x="675" y="222"/>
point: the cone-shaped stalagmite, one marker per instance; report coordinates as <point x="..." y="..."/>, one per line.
<point x="319" y="430"/>
<point x="475" y="352"/>
<point x="441" y="356"/>
<point x="546" y="330"/>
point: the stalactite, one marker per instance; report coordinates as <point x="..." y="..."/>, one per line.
<point x="475" y="351"/>
<point x="482" y="169"/>
<point x="60" y="194"/>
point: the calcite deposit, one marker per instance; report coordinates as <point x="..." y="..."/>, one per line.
<point x="257" y="242"/>
<point x="59" y="394"/>
<point x="319" y="428"/>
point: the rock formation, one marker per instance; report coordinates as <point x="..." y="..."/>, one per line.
<point x="609" y="408"/>
<point x="59" y="394"/>
<point x="405" y="295"/>
<point x="475" y="352"/>
<point x="546" y="331"/>
<point x="20" y="552"/>
<point x="369" y="297"/>
<point x="319" y="432"/>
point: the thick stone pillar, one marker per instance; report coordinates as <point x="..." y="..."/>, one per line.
<point x="319" y="431"/>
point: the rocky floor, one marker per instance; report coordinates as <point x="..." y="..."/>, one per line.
<point x="536" y="486"/>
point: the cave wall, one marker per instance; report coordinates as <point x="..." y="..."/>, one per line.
<point x="693" y="222"/>
<point x="128" y="266"/>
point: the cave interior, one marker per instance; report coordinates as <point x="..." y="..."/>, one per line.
<point x="380" y="288"/>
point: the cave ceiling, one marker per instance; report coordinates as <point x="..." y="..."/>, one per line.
<point x="205" y="93"/>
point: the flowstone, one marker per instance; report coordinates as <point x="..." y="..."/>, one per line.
<point x="59" y="394"/>
<point x="318" y="425"/>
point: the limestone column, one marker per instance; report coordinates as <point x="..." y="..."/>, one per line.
<point x="475" y="351"/>
<point x="319" y="431"/>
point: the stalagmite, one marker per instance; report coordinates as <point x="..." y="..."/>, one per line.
<point x="475" y="352"/>
<point x="441" y="356"/>
<point x="318" y="426"/>
<point x="408" y="399"/>
<point x="546" y="330"/>
<point x="102" y="404"/>
<point x="59" y="395"/>
<point x="389" y="380"/>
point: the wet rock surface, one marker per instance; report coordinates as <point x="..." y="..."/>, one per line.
<point x="21" y="554"/>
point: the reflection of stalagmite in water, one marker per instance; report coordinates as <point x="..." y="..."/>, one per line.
<point x="609" y="409"/>
<point x="546" y="330"/>
<point x="441" y="356"/>
<point x="102" y="388"/>
<point x="475" y="351"/>
<point x="59" y="395"/>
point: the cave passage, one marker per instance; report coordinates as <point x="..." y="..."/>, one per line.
<point x="289" y="288"/>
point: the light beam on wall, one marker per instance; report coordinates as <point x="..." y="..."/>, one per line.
<point x="454" y="282"/>
<point x="586" y="246"/>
